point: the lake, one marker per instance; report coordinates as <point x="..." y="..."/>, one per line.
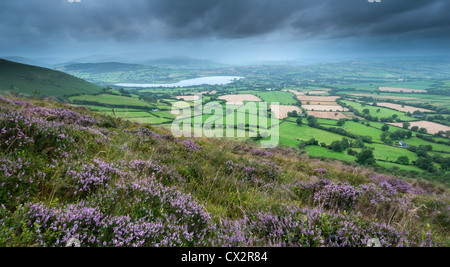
<point x="214" y="80"/>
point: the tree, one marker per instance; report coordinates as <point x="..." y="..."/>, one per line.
<point x="366" y="111"/>
<point x="422" y="152"/>
<point x="415" y="128"/>
<point x="408" y="134"/>
<point x="406" y="125"/>
<point x="399" y="134"/>
<point x="312" y="121"/>
<point x="423" y="130"/>
<point x="352" y="152"/>
<point x="299" y="121"/>
<point x="424" y="162"/>
<point x="292" y="114"/>
<point x="404" y="160"/>
<point x="366" y="138"/>
<point x="345" y="143"/>
<point x="365" y="157"/>
<point x="358" y="143"/>
<point x="447" y="133"/>
<point x="383" y="136"/>
<point x="340" y="122"/>
<point x="385" y="127"/>
<point x="337" y="146"/>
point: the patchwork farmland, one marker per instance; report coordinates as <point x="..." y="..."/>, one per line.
<point x="324" y="108"/>
<point x="239" y="99"/>
<point x="188" y="97"/>
<point x="359" y="113"/>
<point x="403" y="108"/>
<point x="305" y="98"/>
<point x="401" y="90"/>
<point x="295" y="92"/>
<point x="218" y="123"/>
<point x="432" y="127"/>
<point x="281" y="111"/>
<point x="317" y="92"/>
<point x="327" y="115"/>
<point x="384" y="96"/>
<point x="321" y="103"/>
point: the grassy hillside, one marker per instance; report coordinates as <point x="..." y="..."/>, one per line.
<point x="67" y="172"/>
<point x="17" y="78"/>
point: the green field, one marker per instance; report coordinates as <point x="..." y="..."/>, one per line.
<point x="113" y="100"/>
<point x="116" y="105"/>
<point x="291" y="134"/>
<point x="415" y="141"/>
<point x="317" y="151"/>
<point x="149" y="120"/>
<point x="391" y="153"/>
<point x="284" y="98"/>
<point x="153" y="105"/>
<point x="382" y="113"/>
<point x="361" y="129"/>
<point x="402" y="167"/>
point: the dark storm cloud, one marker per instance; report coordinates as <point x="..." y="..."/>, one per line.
<point x="219" y="18"/>
<point x="47" y="23"/>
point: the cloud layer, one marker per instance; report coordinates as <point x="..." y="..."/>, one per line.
<point x="48" y="22"/>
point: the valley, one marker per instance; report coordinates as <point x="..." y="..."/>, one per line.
<point x="355" y="105"/>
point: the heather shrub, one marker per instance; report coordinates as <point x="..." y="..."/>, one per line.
<point x="21" y="133"/>
<point x="306" y="190"/>
<point x="191" y="146"/>
<point x="339" y="195"/>
<point x="63" y="177"/>
<point x="19" y="181"/>
<point x="52" y="136"/>
<point x="150" y="167"/>
<point x="87" y="178"/>
<point x="384" y="201"/>
<point x="296" y="227"/>
<point x="138" y="213"/>
<point x="256" y="172"/>
<point x="394" y="184"/>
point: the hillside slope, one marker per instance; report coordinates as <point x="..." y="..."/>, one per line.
<point x="67" y="172"/>
<point x="17" y="78"/>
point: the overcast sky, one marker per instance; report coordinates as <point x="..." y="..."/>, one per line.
<point x="224" y="30"/>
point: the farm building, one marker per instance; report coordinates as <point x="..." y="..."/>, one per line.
<point x="402" y="144"/>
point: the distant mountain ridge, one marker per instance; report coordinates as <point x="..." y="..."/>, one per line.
<point x="103" y="67"/>
<point x="184" y="63"/>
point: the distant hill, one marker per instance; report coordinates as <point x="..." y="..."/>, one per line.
<point x="32" y="80"/>
<point x="103" y="67"/>
<point x="109" y="73"/>
<point x="184" y="63"/>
